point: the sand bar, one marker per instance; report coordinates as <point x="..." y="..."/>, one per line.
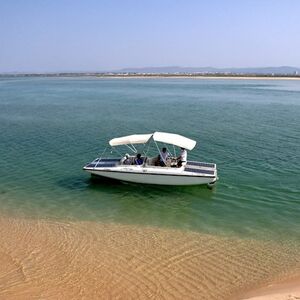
<point x="51" y="259"/>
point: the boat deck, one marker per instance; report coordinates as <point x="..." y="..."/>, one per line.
<point x="200" y="167"/>
<point x="191" y="166"/>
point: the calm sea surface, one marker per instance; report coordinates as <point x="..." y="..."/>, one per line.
<point x="51" y="127"/>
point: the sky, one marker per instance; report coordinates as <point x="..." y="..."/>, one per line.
<point x="104" y="35"/>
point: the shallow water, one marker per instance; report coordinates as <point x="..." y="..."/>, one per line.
<point x="45" y="259"/>
<point x="50" y="127"/>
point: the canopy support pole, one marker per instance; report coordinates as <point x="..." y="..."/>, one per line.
<point x="132" y="148"/>
<point x="174" y="151"/>
<point x="146" y="152"/>
<point x="100" y="157"/>
<point x="121" y="155"/>
<point x="160" y="153"/>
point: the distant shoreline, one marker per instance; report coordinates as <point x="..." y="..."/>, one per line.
<point x="156" y="76"/>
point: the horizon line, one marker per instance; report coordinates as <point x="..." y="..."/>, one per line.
<point x="140" y="68"/>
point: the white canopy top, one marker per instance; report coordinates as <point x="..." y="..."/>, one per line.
<point x="131" y="139"/>
<point x="164" y="137"/>
<point x="174" y="139"/>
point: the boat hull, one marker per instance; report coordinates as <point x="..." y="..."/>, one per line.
<point x="157" y="179"/>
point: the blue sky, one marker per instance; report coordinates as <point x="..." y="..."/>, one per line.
<point x="90" y="35"/>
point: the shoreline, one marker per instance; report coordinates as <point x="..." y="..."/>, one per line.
<point x="200" y="77"/>
<point x="287" y="288"/>
<point x="46" y="258"/>
<point x="154" y="76"/>
<point x="204" y="77"/>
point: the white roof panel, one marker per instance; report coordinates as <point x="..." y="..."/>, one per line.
<point x="174" y="139"/>
<point x="131" y="139"/>
<point x="164" y="137"/>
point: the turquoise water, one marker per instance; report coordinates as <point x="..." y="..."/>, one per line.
<point x="50" y="127"/>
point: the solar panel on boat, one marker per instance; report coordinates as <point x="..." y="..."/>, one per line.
<point x="200" y="164"/>
<point x="105" y="165"/>
<point x="199" y="171"/>
<point x="107" y="159"/>
<point x="90" y="165"/>
<point x="100" y="165"/>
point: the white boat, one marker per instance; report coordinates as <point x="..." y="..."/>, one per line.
<point x="125" y="168"/>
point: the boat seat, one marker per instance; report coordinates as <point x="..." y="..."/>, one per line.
<point x="151" y="161"/>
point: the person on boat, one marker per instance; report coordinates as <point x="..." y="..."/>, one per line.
<point x="126" y="160"/>
<point x="138" y="160"/>
<point x="164" y="154"/>
<point x="157" y="161"/>
<point x="182" y="158"/>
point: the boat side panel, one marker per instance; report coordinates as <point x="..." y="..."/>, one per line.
<point x="154" y="179"/>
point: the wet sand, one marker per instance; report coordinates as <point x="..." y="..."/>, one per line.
<point x="84" y="260"/>
<point x="285" y="290"/>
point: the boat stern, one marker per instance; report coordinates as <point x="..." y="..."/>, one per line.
<point x="203" y="169"/>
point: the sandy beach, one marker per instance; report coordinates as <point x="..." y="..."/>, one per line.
<point x="85" y="260"/>
<point x="288" y="289"/>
